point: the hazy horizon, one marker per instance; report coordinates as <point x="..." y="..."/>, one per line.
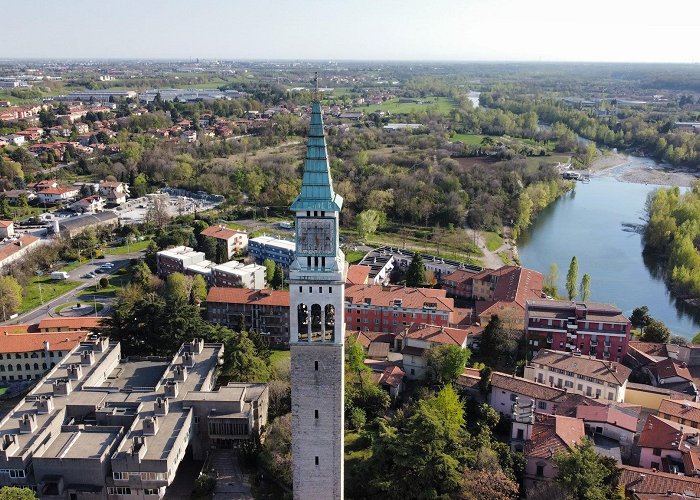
<point x="451" y="31"/>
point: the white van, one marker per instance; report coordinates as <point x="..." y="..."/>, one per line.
<point x="59" y="275"/>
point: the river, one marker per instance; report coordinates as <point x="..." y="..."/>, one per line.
<point x="590" y="222"/>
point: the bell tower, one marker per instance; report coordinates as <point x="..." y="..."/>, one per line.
<point x="317" y="328"/>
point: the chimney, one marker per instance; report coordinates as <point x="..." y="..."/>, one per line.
<point x="62" y="387"/>
<point x="150" y="426"/>
<point x="46" y="348"/>
<point x="180" y="373"/>
<point x="187" y="359"/>
<point x="27" y="424"/>
<point x="44" y="405"/>
<point x="138" y="443"/>
<point x="195" y="347"/>
<point x="171" y="389"/>
<point x="87" y="357"/>
<point x="161" y="406"/>
<point x="74" y="372"/>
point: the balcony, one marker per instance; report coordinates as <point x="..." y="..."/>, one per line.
<point x="594" y="343"/>
<point x="549" y="340"/>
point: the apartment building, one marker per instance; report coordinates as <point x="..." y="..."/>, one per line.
<point x="592" y="377"/>
<point x="100" y="427"/>
<point x="175" y="260"/>
<point x="236" y="274"/>
<point x="599" y="330"/>
<point x="235" y="242"/>
<point x="267" y="247"/>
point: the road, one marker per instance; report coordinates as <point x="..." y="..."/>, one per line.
<point x="41" y="312"/>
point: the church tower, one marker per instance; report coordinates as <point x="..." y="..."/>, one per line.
<point x="317" y="328"/>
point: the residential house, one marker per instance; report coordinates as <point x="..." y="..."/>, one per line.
<point x="418" y="338"/>
<point x="57" y="194"/>
<point x="41" y="185"/>
<point x="507" y="389"/>
<point x="114" y="191"/>
<point x="265" y="311"/>
<point x="7" y="229"/>
<point x="609" y="421"/>
<point x="189" y="136"/>
<point x="599" y="330"/>
<point x="357" y="275"/>
<point x="663" y="444"/>
<point x="586" y="375"/>
<point x="683" y="412"/>
<point x="89" y="204"/>
<point x="15" y="249"/>
<point x="13" y="196"/>
<point x="645" y="484"/>
<point x="459" y="283"/>
<point x="234" y="241"/>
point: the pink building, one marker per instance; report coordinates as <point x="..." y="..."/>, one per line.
<point x="599" y="330"/>
<point x="669" y="446"/>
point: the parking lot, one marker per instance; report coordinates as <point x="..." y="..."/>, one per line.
<point x="134" y="211"/>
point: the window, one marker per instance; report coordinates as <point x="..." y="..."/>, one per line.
<point x="542" y="405"/>
<point x="320" y="289"/>
<point x="196" y="420"/>
<point x="540" y="470"/>
<point x="120" y="475"/>
<point x="150" y="491"/>
<point x="118" y="490"/>
<point x="330" y="289"/>
<point x="655" y="465"/>
<point x="316" y="460"/>
<point x="513" y="397"/>
<point x="301" y="289"/>
<point x="316" y="414"/>
<point x="657" y="452"/>
<point x="316" y="365"/>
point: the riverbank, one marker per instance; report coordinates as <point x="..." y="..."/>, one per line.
<point x="638" y="170"/>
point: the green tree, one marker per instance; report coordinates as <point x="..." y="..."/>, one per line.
<point x="696" y="339"/>
<point x="10" y="296"/>
<point x="198" y="294"/>
<point x="488" y="484"/>
<point x="585" y="475"/>
<point x="177" y="288"/>
<point x="13" y="493"/>
<point x="241" y="361"/>
<point x="656" y="331"/>
<point x="572" y="278"/>
<point x="446" y="362"/>
<point x="276" y="455"/>
<point x="640" y="317"/>
<point x="354" y="355"/>
<point x="551" y="281"/>
<point x="368" y="221"/>
<point x="141" y="275"/>
<point x="269" y="270"/>
<point x="278" y="278"/>
<point x="585" y="288"/>
<point x="151" y="256"/>
<point x="498" y="344"/>
<point x="415" y="275"/>
<point x="358" y="419"/>
<point x="5" y="210"/>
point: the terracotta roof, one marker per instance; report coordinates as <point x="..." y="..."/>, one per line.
<point x="15" y="329"/>
<point x="29" y="342"/>
<point x="460" y="275"/>
<point x="411" y="298"/>
<point x="358" y="275"/>
<point x="665" y="434"/>
<point x="566" y="404"/>
<point x="470" y="377"/>
<point x="646" y="481"/>
<point x="607" y="414"/>
<point x="688" y="410"/>
<point x="691" y="462"/>
<point x="6" y="223"/>
<point x="249" y="296"/>
<point x="15" y="246"/>
<point x="462" y="316"/>
<point x="436" y="334"/>
<point x="608" y="371"/>
<point x="553" y="433"/>
<point x="58" y="190"/>
<point x="378" y="350"/>
<point x="669" y="368"/>
<point x="392" y="375"/>
<point x="81" y="323"/>
<point x="649" y="348"/>
<point x="524" y="387"/>
<point x="563" y="309"/>
<point x="221" y="232"/>
<point x="412" y="351"/>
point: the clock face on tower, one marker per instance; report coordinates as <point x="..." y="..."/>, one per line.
<point x="316" y="236"/>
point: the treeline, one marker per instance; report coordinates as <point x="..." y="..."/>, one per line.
<point x="672" y="234"/>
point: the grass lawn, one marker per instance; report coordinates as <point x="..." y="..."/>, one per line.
<point x="533" y="162"/>
<point x="50" y="289"/>
<point x="277" y="356"/>
<point x="233" y="225"/>
<point x="354" y="256"/>
<point x="3" y="390"/>
<point x="116" y="282"/>
<point x="441" y="105"/>
<point x="136" y="246"/>
<point x="72" y="266"/>
<point x="493" y="240"/>
<point x="468" y="139"/>
<point x="457" y="245"/>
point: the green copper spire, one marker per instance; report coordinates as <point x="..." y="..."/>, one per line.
<point x="317" y="186"/>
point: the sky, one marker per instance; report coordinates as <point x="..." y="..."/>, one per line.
<point x="444" y="30"/>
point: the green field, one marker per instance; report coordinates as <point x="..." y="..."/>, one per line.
<point x="277" y="356"/>
<point x="50" y="289"/>
<point x="468" y="139"/>
<point x="441" y="105"/>
<point x="493" y="240"/>
<point x="136" y="246"/>
<point x="354" y="256"/>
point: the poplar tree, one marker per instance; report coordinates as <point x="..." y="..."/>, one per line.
<point x="572" y="278"/>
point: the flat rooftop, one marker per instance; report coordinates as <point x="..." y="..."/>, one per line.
<point x="145" y="373"/>
<point x="92" y="443"/>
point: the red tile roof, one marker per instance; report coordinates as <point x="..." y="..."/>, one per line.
<point x="524" y="387"/>
<point x="608" y="371"/>
<point x="358" y="275"/>
<point x="607" y="414"/>
<point x="57" y="190"/>
<point x="664" y="434"/>
<point x="221" y="232"/>
<point x="81" y="323"/>
<point x="6" y="223"/>
<point x="13" y="247"/>
<point x="460" y="276"/>
<point x="553" y="433"/>
<point x="366" y="338"/>
<point x="436" y="334"/>
<point x="411" y="298"/>
<point x="29" y="342"/>
<point x="669" y="368"/>
<point x="688" y="410"/>
<point x="249" y="296"/>
<point x="392" y="375"/>
<point x="646" y="481"/>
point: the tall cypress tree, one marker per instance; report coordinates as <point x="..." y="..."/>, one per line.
<point x="415" y="275"/>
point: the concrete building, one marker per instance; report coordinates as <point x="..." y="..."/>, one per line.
<point x="236" y="274"/>
<point x="7" y="229"/>
<point x="76" y="225"/>
<point x="100" y="427"/>
<point x="97" y="95"/>
<point x="265" y="311"/>
<point x="16" y="248"/>
<point x="599" y="330"/>
<point x="113" y="191"/>
<point x="175" y="260"/>
<point x="317" y="328"/>
<point x="235" y="242"/>
<point x="592" y="377"/>
<point x="267" y="247"/>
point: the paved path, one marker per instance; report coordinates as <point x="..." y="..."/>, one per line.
<point x="231" y="484"/>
